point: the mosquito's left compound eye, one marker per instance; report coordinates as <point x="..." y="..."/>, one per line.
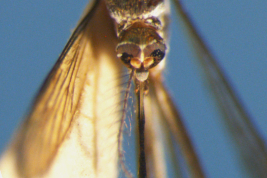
<point x="158" y="55"/>
<point x="154" y="54"/>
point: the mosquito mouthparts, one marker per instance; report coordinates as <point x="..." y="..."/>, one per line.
<point x="141" y="75"/>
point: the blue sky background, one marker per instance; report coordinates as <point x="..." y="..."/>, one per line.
<point x="33" y="34"/>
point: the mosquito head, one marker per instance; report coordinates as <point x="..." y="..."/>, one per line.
<point x="141" y="48"/>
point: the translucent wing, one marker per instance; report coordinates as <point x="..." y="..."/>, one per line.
<point x="249" y="142"/>
<point x="65" y="108"/>
<point x="55" y="106"/>
<point x="163" y="126"/>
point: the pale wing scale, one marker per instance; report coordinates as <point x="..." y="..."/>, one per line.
<point x="173" y="121"/>
<point x="154" y="141"/>
<point x="248" y="140"/>
<point x="160" y="150"/>
<point x="66" y="133"/>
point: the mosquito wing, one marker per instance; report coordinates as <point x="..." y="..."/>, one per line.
<point x="63" y="134"/>
<point x="249" y="142"/>
<point x="163" y="126"/>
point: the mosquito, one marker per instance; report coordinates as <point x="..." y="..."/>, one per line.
<point x="70" y="133"/>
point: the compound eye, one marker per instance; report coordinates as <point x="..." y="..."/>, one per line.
<point x="154" y="53"/>
<point x="158" y="55"/>
<point x="125" y="57"/>
<point x="126" y="52"/>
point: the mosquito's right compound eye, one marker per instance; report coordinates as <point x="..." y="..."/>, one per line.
<point x="126" y="58"/>
<point x="126" y="52"/>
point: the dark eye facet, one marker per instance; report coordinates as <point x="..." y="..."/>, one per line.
<point x="126" y="58"/>
<point x="158" y="55"/>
